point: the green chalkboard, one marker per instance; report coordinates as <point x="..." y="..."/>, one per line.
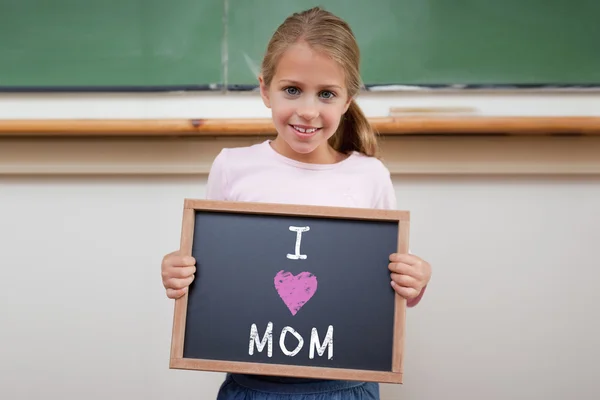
<point x="110" y="43"/>
<point x="192" y="44"/>
<point x="444" y="42"/>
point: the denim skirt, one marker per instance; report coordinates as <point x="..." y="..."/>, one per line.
<point x="249" y="387"/>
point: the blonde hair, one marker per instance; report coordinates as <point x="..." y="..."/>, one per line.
<point x="324" y="31"/>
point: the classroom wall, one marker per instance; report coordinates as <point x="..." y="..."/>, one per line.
<point x="511" y="311"/>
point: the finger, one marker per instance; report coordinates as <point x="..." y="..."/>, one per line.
<point x="175" y="260"/>
<point x="407" y="293"/>
<point x="176" y="293"/>
<point x="179" y="283"/>
<point x="181" y="272"/>
<point x="405" y="281"/>
<point x="404" y="258"/>
<point x="183" y="261"/>
<point x="173" y="253"/>
<point x="188" y="261"/>
<point x="169" y="273"/>
<point x="402" y="268"/>
<point x="168" y="258"/>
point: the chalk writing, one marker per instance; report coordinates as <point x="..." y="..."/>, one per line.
<point x="282" y="341"/>
<point x="267" y="341"/>
<point x="298" y="230"/>
<point x="327" y="342"/>
<point x="260" y="344"/>
<point x="295" y="291"/>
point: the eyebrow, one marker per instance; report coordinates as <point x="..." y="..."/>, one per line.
<point x="292" y="82"/>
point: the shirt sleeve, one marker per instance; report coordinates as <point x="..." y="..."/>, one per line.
<point x="387" y="195"/>
<point x="216" y="186"/>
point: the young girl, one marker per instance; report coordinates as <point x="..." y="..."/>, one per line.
<point x="325" y="153"/>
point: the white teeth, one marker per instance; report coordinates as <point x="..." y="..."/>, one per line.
<point x="311" y="130"/>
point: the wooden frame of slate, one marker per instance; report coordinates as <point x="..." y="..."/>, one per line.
<point x="277" y="285"/>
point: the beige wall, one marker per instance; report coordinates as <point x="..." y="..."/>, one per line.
<point x="511" y="313"/>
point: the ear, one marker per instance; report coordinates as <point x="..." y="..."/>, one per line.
<point x="264" y="91"/>
<point x="347" y="105"/>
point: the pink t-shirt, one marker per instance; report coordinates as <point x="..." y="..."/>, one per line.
<point x="257" y="173"/>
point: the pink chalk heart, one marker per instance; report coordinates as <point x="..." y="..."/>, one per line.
<point x="295" y="291"/>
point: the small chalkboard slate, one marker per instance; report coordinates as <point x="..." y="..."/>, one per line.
<point x="294" y="291"/>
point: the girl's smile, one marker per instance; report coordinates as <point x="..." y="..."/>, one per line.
<point x="304" y="131"/>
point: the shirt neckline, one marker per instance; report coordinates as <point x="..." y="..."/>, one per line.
<point x="299" y="164"/>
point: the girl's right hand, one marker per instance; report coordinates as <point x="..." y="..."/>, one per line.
<point x="177" y="273"/>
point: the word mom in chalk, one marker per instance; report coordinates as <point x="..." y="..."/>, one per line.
<point x="267" y="340"/>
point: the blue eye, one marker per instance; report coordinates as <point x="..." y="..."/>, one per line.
<point x="293" y="91"/>
<point x="327" y="94"/>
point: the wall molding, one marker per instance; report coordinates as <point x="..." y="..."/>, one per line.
<point x="404" y="155"/>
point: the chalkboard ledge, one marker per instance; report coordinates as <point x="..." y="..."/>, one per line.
<point x="401" y="125"/>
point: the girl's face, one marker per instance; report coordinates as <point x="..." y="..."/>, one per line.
<point x="307" y="97"/>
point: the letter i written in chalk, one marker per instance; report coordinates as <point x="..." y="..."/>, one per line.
<point x="298" y="230"/>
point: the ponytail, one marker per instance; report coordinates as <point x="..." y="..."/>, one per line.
<point x="355" y="133"/>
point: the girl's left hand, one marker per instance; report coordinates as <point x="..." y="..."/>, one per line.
<point x="410" y="274"/>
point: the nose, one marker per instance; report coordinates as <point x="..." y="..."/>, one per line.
<point x="308" y="110"/>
